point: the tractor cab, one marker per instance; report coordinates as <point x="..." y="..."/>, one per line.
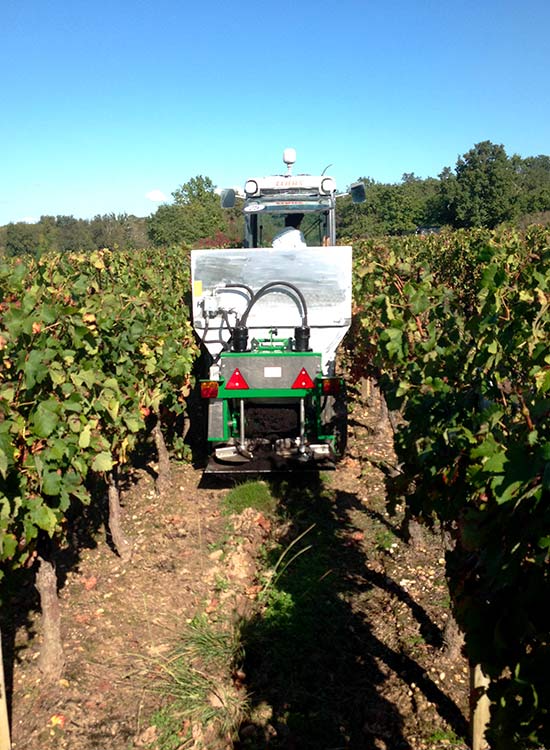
<point x="267" y="200"/>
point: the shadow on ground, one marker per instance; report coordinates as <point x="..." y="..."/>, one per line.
<point x="314" y="666"/>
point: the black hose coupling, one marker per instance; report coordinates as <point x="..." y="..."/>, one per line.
<point x="239" y="339"/>
<point x="301" y="338"/>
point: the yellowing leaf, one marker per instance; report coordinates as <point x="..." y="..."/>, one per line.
<point x="103" y="461"/>
<point x="84" y="437"/>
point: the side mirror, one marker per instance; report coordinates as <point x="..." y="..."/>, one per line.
<point x="228" y="198"/>
<point x="357" y="191"/>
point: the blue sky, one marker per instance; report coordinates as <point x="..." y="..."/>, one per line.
<point x="104" y="102"/>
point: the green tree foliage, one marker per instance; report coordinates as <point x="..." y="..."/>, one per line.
<point x="65" y="233"/>
<point x="483" y="190"/>
<point x="22" y="239"/>
<point x="118" y="232"/>
<point x="73" y="234"/>
<point x="47" y="234"/>
<point x="533" y="183"/>
<point x="486" y="188"/>
<point x="198" y="190"/>
<point x="167" y="227"/>
<point x="195" y="215"/>
<point x="390" y="209"/>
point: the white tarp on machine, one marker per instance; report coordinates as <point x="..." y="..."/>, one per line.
<point x="223" y="279"/>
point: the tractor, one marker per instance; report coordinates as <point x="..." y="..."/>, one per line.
<point x="270" y="320"/>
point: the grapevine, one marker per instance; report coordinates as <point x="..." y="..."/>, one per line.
<point x="457" y="329"/>
<point x="90" y="345"/>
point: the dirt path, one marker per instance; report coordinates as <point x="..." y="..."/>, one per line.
<point x="390" y="681"/>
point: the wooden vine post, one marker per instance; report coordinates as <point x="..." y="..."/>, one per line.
<point x="5" y="743"/>
<point x="479" y="707"/>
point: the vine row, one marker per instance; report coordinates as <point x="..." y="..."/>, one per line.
<point x="92" y="348"/>
<point x="456" y="328"/>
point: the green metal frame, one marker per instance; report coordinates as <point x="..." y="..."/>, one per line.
<point x="269" y="348"/>
<point x="230" y="425"/>
<point x="279" y="347"/>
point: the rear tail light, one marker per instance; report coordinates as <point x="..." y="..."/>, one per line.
<point x="209" y="388"/>
<point x="303" y="380"/>
<point x="331" y="386"/>
<point x="236" y="382"/>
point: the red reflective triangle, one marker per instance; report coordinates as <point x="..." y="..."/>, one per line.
<point x="236" y="382"/>
<point x="303" y="380"/>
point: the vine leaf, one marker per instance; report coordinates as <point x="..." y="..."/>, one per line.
<point x="46" y="418"/>
<point x="103" y="462"/>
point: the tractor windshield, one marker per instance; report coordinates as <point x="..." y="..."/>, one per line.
<point x="266" y="218"/>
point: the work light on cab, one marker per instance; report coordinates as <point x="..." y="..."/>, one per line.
<point x="251" y="187"/>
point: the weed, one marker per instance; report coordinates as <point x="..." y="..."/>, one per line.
<point x="280" y="607"/>
<point x="256" y="495"/>
<point x="168" y="729"/>
<point x="443" y="601"/>
<point x="416" y="640"/>
<point x="282" y="564"/>
<point x="446" y="737"/>
<point x="223" y="540"/>
<point x="202" y="698"/>
<point x="385" y="540"/>
<point x="221" y="584"/>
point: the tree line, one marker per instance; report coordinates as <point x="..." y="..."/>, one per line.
<point x="66" y="233"/>
<point x="486" y="188"/>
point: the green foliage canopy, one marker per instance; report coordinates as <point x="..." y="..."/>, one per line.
<point x="456" y="327"/>
<point x="195" y="215"/>
<point x="487" y="188"/>
<point x="66" y="234"/>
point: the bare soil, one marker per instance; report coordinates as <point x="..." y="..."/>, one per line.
<point x="393" y="680"/>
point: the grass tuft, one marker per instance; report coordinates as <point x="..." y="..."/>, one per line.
<point x="203" y="704"/>
<point x="254" y="494"/>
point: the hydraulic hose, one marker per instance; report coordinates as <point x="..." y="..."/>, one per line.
<point x="226" y="345"/>
<point x="269" y="286"/>
<point x="241" y="286"/>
